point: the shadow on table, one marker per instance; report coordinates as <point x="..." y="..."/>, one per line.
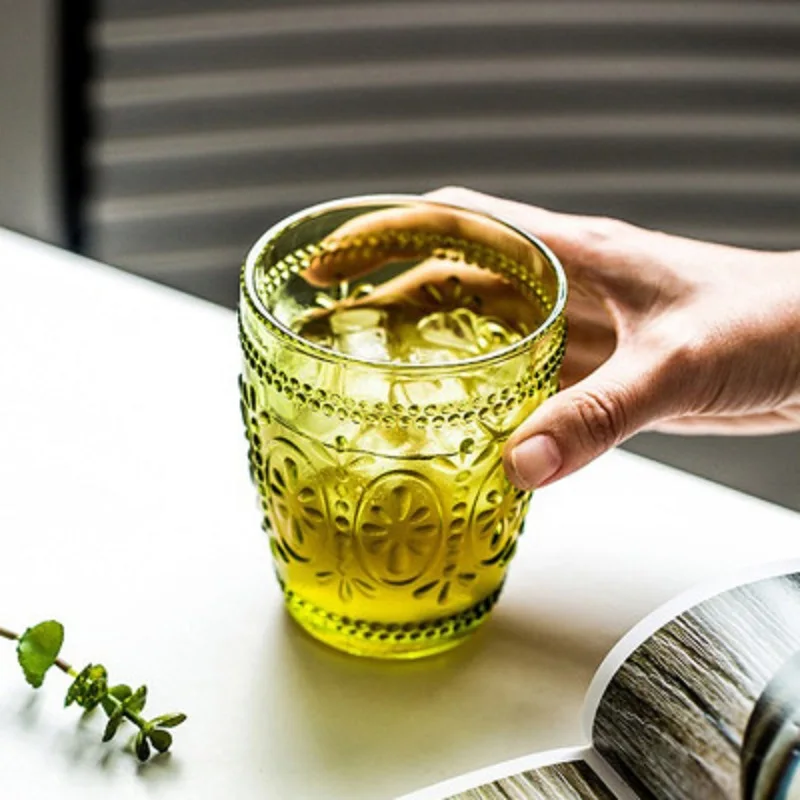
<point x="362" y="722"/>
<point x="79" y="743"/>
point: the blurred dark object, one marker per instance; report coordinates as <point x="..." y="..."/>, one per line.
<point x="771" y="744"/>
<point x="74" y="78"/>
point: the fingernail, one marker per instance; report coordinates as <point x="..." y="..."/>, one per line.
<point x="535" y="460"/>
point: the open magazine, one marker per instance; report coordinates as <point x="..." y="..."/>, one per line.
<point x="700" y="701"/>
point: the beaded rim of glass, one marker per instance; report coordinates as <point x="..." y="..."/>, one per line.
<point x="484" y="256"/>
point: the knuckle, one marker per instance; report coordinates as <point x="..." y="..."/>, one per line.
<point x="691" y="369"/>
<point x="602" y="418"/>
<point x="601" y="231"/>
<point x="682" y="355"/>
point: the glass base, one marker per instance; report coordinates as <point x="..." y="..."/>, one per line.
<point x="389" y="641"/>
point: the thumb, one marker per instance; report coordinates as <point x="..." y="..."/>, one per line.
<point x="575" y="426"/>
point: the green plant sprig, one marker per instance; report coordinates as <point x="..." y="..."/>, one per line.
<point x="37" y="652"/>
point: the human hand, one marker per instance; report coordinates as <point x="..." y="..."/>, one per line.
<point x="665" y="333"/>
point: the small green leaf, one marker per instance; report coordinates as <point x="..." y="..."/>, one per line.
<point x="38" y="649"/>
<point x="142" y="747"/>
<point x="121" y="691"/>
<point x="160" y="739"/>
<point x="135" y="703"/>
<point x="114" y="721"/>
<point x="89" y="688"/>
<point x="169" y="720"/>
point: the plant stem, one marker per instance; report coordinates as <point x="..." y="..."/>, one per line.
<point x="128" y="714"/>
<point x="135" y="719"/>
<point x="64" y="667"/>
<point x="5" y="633"/>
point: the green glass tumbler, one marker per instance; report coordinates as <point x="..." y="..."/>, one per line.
<point x="390" y="519"/>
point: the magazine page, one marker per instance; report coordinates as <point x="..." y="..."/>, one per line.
<point x="555" y="775"/>
<point x="706" y="706"/>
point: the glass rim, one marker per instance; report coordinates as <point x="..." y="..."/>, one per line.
<point x="501" y="354"/>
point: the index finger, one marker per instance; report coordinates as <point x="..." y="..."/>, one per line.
<point x="427" y="229"/>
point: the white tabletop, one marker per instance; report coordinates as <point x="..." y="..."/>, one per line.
<point x="127" y="513"/>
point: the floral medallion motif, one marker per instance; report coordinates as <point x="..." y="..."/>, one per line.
<point x="496" y="518"/>
<point x="344" y="578"/>
<point x="295" y="502"/>
<point x="399" y="528"/>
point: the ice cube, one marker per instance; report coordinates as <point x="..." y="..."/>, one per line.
<point x="418" y="354"/>
<point x="422" y="392"/>
<point x="361" y="332"/>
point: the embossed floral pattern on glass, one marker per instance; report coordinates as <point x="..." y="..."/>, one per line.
<point x="390" y="519"/>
